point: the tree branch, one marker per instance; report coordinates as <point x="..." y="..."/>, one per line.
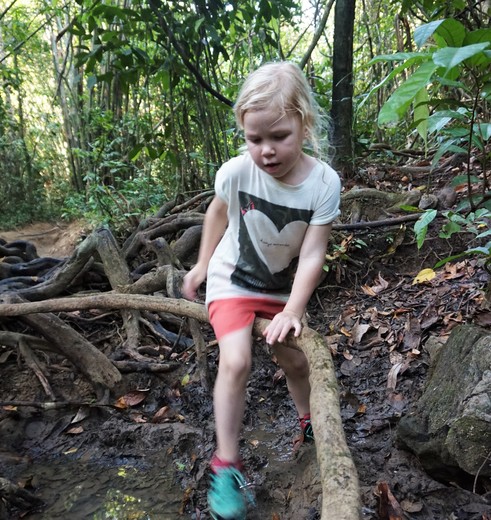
<point x="156" y="5"/>
<point x="317" y="34"/>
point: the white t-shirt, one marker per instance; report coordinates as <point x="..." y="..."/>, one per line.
<point x="267" y="221"/>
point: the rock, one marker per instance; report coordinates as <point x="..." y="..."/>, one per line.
<point x="446" y="197"/>
<point x="368" y="204"/>
<point x="449" y="428"/>
<point x="428" y="201"/>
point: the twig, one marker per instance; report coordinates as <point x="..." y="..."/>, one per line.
<point x="377" y="223"/>
<point x="488" y="457"/>
<point x="35" y="365"/>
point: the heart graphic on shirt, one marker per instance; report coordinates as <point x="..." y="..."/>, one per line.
<point x="275" y="248"/>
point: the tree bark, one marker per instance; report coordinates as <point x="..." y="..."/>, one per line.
<point x="342" y="86"/>
<point x="318" y="33"/>
<point x="87" y="358"/>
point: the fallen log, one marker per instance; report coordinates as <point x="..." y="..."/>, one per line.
<point x="88" y="359"/>
<point x="340" y="488"/>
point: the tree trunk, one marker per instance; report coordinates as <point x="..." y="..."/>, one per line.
<point x="342" y="88"/>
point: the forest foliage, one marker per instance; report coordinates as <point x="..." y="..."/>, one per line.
<point x="109" y="108"/>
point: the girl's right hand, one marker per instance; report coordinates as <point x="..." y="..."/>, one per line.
<point x="192" y="281"/>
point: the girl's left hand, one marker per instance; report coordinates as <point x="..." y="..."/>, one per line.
<point x="281" y="325"/>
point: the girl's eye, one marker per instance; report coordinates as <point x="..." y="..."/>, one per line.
<point x="280" y="137"/>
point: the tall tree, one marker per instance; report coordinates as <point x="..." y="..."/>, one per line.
<point x="342" y="88"/>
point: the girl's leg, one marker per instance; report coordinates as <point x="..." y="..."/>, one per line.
<point x="294" y="364"/>
<point x="229" y="395"/>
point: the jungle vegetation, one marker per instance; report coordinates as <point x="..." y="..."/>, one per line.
<point x="109" y="108"/>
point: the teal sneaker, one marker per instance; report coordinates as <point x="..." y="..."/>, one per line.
<point x="229" y="495"/>
<point x="306" y="426"/>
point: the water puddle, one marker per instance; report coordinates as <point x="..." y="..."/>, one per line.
<point x="126" y="491"/>
<point x="125" y="471"/>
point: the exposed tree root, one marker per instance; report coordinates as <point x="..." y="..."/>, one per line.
<point x="341" y="498"/>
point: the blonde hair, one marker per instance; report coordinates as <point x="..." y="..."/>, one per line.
<point x="283" y="87"/>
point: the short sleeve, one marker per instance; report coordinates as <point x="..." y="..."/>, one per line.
<point x="329" y="197"/>
<point x="227" y="178"/>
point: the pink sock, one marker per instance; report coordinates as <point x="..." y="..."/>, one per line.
<point x="217" y="464"/>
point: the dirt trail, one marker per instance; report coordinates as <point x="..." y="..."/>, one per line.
<point x="53" y="239"/>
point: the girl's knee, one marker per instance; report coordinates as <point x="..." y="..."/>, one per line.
<point x="236" y="368"/>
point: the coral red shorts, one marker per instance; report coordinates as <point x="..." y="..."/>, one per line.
<point x="231" y="314"/>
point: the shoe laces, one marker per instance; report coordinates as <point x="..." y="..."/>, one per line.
<point x="231" y="475"/>
<point x="306" y="426"/>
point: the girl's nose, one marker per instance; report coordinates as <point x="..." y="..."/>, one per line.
<point x="268" y="149"/>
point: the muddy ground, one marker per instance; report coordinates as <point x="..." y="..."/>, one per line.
<point x="134" y="463"/>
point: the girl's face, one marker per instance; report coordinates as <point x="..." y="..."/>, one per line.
<point x="275" y="144"/>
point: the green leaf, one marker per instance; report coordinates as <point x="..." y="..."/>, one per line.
<point x="440" y="119"/>
<point x="479" y="35"/>
<point x="450" y="259"/>
<point x="486" y="91"/>
<point x="421" y="226"/>
<point x="421" y="114"/>
<point x="447" y="146"/>
<point x="483" y="130"/>
<point x="198" y="23"/>
<point x="486" y="251"/>
<point x="399" y="56"/>
<point x="411" y="61"/>
<point x="135" y="152"/>
<point x="452" y="32"/>
<point x="484" y="234"/>
<point x="152" y="152"/>
<point x="448" y="229"/>
<point x="398" y="103"/>
<point x="423" y="32"/>
<point x="462" y="179"/>
<point x="445" y="81"/>
<point x="450" y="57"/>
<point x="482" y="60"/>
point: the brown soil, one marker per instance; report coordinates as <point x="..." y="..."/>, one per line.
<point x="286" y="482"/>
<point x="57" y="239"/>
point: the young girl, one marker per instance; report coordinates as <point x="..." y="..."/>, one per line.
<point x="262" y="250"/>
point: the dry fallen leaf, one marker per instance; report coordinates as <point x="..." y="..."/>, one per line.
<point x="358" y="331"/>
<point x="379" y="286"/>
<point x="392" y="377"/>
<point x="424" y="276"/>
<point x="70" y="451"/>
<point x="164" y="414"/>
<point x="368" y="290"/>
<point x="411" y="507"/>
<point x="389" y="508"/>
<point x="130" y="399"/>
<point x="83" y="413"/>
<point x="138" y="418"/>
<point x="278" y="376"/>
<point x="75" y="431"/>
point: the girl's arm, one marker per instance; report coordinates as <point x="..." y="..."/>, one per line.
<point x="214" y="226"/>
<point x="310" y="262"/>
